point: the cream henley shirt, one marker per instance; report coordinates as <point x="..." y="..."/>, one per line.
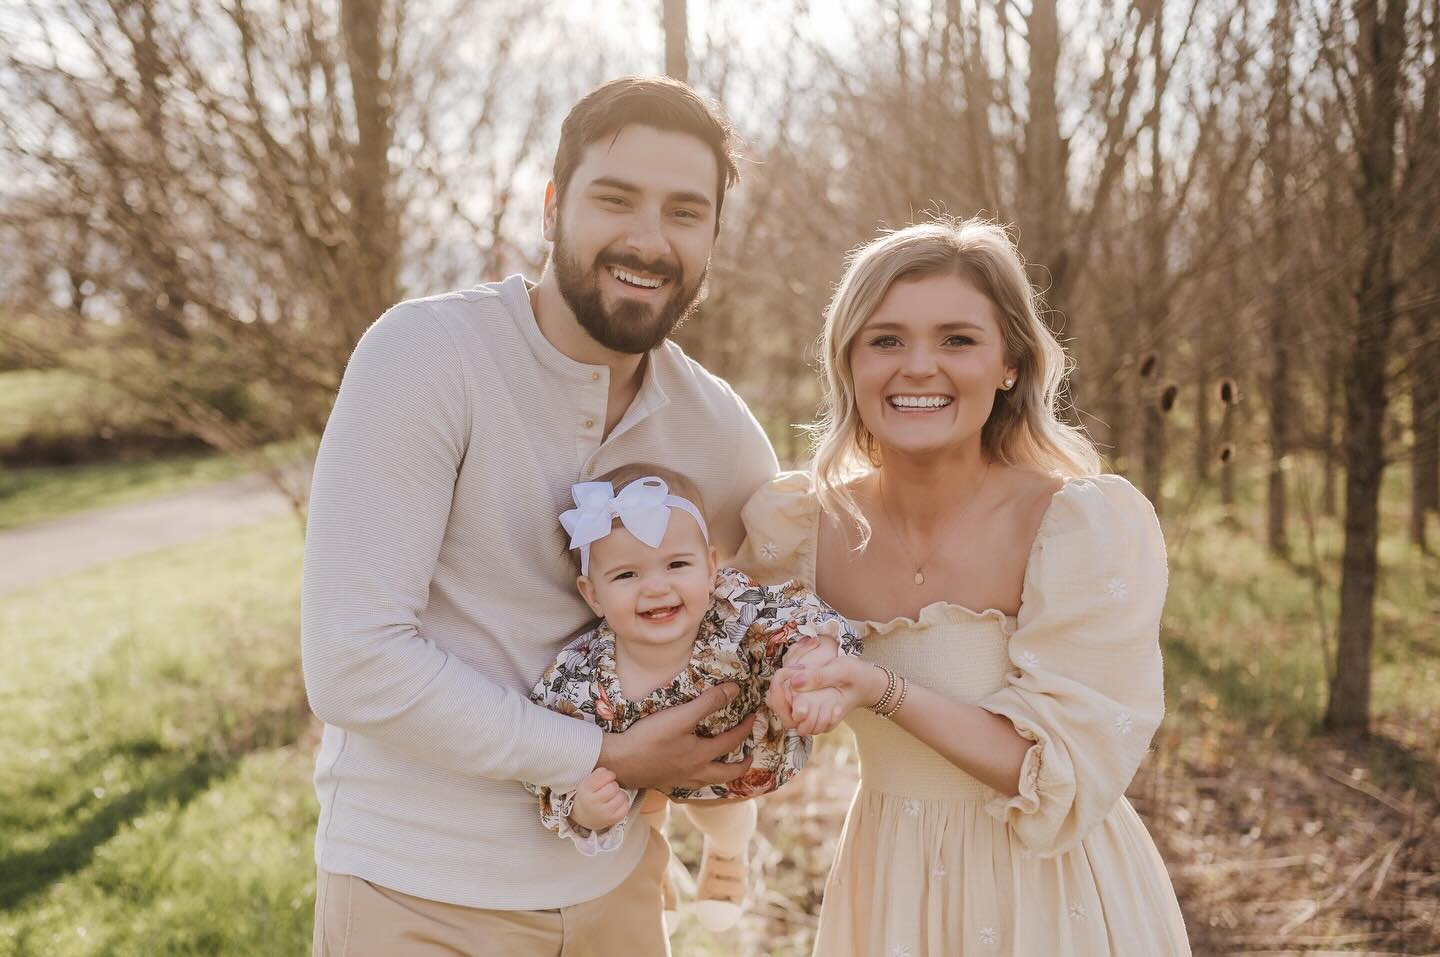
<point x="437" y="588"/>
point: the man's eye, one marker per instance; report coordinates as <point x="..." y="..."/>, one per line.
<point x="613" y="200"/>
<point x="689" y="214"/>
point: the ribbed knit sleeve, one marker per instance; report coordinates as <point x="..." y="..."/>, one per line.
<point x="379" y="507"/>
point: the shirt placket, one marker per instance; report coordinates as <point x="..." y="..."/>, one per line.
<point x="590" y="419"/>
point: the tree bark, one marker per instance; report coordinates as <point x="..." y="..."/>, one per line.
<point x="1381" y="52"/>
<point x="1277" y="172"/>
<point x="677" y="60"/>
<point x="372" y="221"/>
<point x="1425" y="423"/>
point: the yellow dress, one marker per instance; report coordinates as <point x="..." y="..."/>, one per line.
<point x="932" y="862"/>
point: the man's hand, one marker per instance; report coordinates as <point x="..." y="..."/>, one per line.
<point x="600" y="802"/>
<point x="664" y="752"/>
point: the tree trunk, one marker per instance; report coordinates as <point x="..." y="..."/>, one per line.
<point x="1044" y="201"/>
<point x="373" y="224"/>
<point x="677" y="60"/>
<point x="1425" y="419"/>
<point x="1204" y="437"/>
<point x="1277" y="172"/>
<point x="1381" y="51"/>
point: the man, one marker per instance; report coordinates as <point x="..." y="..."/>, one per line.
<point x="436" y="585"/>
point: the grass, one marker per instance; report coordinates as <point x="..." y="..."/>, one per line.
<point x="57" y="402"/>
<point x="154" y="793"/>
<point x="155" y="765"/>
<point x="40" y="494"/>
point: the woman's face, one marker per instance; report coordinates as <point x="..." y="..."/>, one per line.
<point x="927" y="363"/>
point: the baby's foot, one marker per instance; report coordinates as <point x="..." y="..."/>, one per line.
<point x="721" y="888"/>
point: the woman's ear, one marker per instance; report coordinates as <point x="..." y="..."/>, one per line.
<point x="586" y="587"/>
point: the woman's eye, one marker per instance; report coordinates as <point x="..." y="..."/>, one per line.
<point x="885" y="342"/>
<point x="959" y="341"/>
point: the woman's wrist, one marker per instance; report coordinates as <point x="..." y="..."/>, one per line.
<point x="876" y="684"/>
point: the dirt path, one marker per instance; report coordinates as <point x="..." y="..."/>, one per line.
<point x="34" y="553"/>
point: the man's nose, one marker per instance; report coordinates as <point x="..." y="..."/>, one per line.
<point x="645" y="237"/>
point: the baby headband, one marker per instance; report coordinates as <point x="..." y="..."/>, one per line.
<point x="643" y="507"/>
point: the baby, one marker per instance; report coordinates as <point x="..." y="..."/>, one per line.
<point x="672" y="626"/>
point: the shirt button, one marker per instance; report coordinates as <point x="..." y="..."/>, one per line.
<point x="589" y="423"/>
<point x="594" y="377"/>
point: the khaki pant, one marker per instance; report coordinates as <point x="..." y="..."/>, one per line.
<point x="354" y="918"/>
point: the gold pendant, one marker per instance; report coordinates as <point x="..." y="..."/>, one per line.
<point x="919" y="577"/>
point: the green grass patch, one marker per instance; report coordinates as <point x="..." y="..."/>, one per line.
<point x="152" y="796"/>
<point x="58" y="402"/>
<point x="38" y="494"/>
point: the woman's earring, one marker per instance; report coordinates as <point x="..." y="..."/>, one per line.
<point x="1009" y="382"/>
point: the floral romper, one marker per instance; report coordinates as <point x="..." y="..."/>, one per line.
<point x="742" y="638"/>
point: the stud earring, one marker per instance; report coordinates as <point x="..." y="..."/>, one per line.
<point x="1009" y="382"/>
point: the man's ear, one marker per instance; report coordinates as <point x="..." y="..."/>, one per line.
<point x="587" y="592"/>
<point x="552" y="212"/>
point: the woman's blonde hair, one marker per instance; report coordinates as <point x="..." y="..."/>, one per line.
<point x="1024" y="428"/>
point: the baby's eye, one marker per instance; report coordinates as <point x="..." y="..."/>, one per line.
<point x="623" y="575"/>
<point x="680" y="563"/>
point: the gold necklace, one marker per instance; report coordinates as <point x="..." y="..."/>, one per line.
<point x="900" y="535"/>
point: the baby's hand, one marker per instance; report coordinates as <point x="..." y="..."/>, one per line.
<point x="600" y="801"/>
<point x="818" y="711"/>
<point x="812" y="651"/>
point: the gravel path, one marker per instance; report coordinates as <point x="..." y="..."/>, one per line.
<point x="34" y="553"/>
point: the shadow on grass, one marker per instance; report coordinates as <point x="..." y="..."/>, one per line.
<point x="161" y="778"/>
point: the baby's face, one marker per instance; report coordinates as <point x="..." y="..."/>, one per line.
<point x="652" y="596"/>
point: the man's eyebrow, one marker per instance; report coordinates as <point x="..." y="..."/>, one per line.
<point x="625" y="186"/>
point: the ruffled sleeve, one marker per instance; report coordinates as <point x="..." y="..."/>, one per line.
<point x="567" y="687"/>
<point x="1088" y="686"/>
<point x="781" y="520"/>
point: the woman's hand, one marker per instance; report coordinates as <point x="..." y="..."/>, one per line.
<point x="600" y="802"/>
<point x="814" y="700"/>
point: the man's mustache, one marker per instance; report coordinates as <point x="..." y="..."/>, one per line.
<point x="664" y="268"/>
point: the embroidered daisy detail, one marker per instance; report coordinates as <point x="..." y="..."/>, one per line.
<point x="912" y="807"/>
<point x="939" y="871"/>
<point x="1029" y="659"/>
<point x="1124" y="723"/>
<point x="1077" y="911"/>
<point x="988" y="936"/>
<point x="1116" y="589"/>
<point x="900" y="950"/>
<point x="769" y="551"/>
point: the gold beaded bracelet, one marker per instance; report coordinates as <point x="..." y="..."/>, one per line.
<point x="904" y="690"/>
<point x="884" y="702"/>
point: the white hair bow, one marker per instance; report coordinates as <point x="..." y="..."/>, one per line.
<point x="643" y="507"/>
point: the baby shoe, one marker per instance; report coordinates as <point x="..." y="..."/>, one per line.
<point x="721" y="888"/>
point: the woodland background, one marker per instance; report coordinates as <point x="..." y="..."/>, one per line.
<point x="1231" y="208"/>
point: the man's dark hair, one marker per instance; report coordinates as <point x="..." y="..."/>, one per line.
<point x="655" y="101"/>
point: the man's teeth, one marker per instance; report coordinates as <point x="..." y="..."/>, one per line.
<point x="920" y="401"/>
<point x="631" y="279"/>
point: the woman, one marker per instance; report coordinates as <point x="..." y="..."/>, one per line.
<point x="1009" y="598"/>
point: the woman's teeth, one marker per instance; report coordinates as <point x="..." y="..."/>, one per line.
<point x="630" y="279"/>
<point x="920" y="401"/>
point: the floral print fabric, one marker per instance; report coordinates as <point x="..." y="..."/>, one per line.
<point x="743" y="638"/>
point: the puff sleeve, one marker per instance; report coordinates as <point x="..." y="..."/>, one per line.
<point x="1088" y="686"/>
<point x="781" y="520"/>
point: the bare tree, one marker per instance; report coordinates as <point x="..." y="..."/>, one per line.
<point x="1372" y="84"/>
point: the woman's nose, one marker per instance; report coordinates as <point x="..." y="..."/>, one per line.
<point x="919" y="362"/>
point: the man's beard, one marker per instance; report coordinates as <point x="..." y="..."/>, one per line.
<point x="631" y="327"/>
